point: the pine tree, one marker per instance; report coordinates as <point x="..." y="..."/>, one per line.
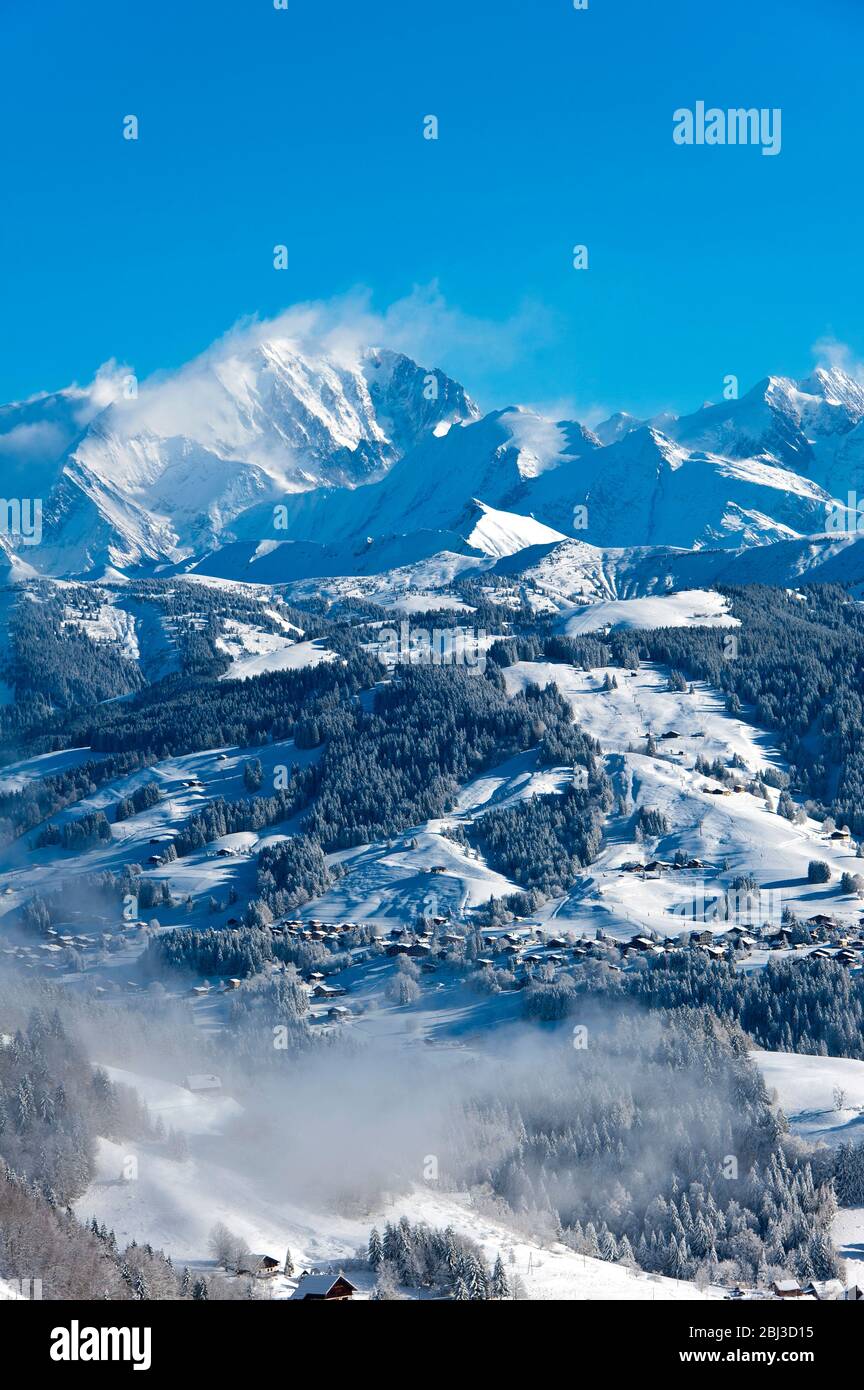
<point x="500" y="1283"/>
<point x="625" y="1252"/>
<point x="375" y="1250"/>
<point x="478" y="1283"/>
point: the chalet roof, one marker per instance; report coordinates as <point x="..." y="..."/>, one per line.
<point x="319" y="1284"/>
<point x="200" y="1081"/>
<point x="825" y="1288"/>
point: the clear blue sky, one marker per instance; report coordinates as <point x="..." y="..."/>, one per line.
<point x="259" y="126"/>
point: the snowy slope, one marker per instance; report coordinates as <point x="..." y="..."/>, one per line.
<point x="394" y="880"/>
<point x="809" y="1091"/>
<point x="437" y="485"/>
<point x="500" y="533"/>
<point x="734" y="834"/>
<point x="254" y="651"/>
<point x="174" y="1205"/>
<point x="646" y="489"/>
<point x="185" y="783"/>
<point x="689" y="608"/>
<point x="573" y="569"/>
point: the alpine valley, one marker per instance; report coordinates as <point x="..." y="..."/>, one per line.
<point x="430" y="841"/>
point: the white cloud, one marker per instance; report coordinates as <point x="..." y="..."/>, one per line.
<point x="106" y="386"/>
<point x="39" y="440"/>
<point x="192" y="398"/>
<point x="831" y="353"/>
<point x="568" y="408"/>
<point x="422" y="324"/>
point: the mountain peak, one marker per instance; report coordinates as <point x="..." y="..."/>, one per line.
<point x="836" y="387"/>
<point x="616" y="427"/>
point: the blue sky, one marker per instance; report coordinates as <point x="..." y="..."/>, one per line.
<point x="304" y="127"/>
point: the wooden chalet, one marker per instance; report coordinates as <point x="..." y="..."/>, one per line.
<point x="825" y="1290"/>
<point x="329" y="1288"/>
<point x="787" y="1288"/>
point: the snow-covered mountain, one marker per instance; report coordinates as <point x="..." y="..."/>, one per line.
<point x="642" y="490"/>
<point x="162" y="474"/>
<point x="755" y="471"/>
<point x="809" y="426"/>
<point x="267" y="454"/>
<point x="437" y="485"/>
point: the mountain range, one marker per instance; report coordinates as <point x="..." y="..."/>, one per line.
<point x="269" y="461"/>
